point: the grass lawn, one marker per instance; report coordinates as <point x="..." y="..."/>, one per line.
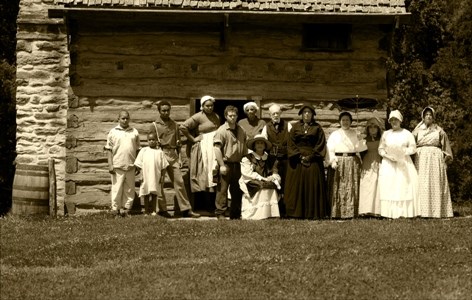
<point x="99" y="257"/>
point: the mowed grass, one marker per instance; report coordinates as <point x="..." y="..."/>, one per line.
<point x="99" y="257"/>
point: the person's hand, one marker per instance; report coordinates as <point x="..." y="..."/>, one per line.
<point x="390" y="157"/>
<point x="197" y="139"/>
<point x="447" y="159"/>
<point x="223" y="169"/>
<point x="305" y="161"/>
<point x="111" y="170"/>
<point x="360" y="135"/>
<point x="334" y="164"/>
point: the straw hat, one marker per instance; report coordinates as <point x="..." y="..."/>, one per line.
<point x="259" y="137"/>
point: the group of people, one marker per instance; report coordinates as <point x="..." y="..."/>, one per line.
<point x="256" y="170"/>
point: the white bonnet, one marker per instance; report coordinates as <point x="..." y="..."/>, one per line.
<point x="395" y="114"/>
<point x="249" y="104"/>
<point x="205" y="99"/>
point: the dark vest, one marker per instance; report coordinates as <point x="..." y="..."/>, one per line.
<point x="279" y="138"/>
<point x="263" y="167"/>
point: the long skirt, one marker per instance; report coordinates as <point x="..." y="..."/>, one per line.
<point x="343" y="183"/>
<point x="398" y="189"/>
<point x="305" y="190"/>
<point x="434" y="196"/>
<point x="262" y="205"/>
<point x="369" y="195"/>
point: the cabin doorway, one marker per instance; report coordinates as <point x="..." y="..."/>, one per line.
<point x="220" y="105"/>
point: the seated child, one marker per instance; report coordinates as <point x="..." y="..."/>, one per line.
<point x="151" y="160"/>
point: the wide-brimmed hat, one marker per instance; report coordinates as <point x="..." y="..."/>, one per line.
<point x="205" y="99"/>
<point x="377" y="122"/>
<point x="259" y="137"/>
<point x="395" y="114"/>
<point x="307" y="105"/>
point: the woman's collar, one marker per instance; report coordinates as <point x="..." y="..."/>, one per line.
<point x="258" y="157"/>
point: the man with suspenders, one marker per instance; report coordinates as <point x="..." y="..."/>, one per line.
<point x="168" y="136"/>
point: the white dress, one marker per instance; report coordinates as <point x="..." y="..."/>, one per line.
<point x="398" y="179"/>
<point x="264" y="203"/>
<point x="151" y="161"/>
<point x="369" y="196"/>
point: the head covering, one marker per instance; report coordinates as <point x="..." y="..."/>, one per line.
<point x="307" y="105"/>
<point x="205" y="99"/>
<point x="249" y="104"/>
<point x="422" y="124"/>
<point x="258" y="137"/>
<point x="376" y="122"/>
<point x="395" y="114"/>
<point x="426" y="109"/>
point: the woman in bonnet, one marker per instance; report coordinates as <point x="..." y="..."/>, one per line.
<point x="433" y="153"/>
<point x="305" y="184"/>
<point x="199" y="130"/>
<point x="369" y="196"/>
<point x="398" y="178"/>
<point x="252" y="125"/>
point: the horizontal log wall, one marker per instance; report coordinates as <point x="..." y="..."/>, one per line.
<point x="113" y="70"/>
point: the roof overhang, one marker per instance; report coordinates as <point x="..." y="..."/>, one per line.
<point x="168" y="15"/>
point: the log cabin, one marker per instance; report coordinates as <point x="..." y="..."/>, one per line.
<point x="79" y="62"/>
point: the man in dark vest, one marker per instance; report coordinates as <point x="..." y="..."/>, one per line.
<point x="276" y="131"/>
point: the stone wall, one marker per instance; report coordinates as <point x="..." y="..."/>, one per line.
<point x="42" y="89"/>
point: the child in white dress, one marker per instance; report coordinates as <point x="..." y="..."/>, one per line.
<point x="151" y="160"/>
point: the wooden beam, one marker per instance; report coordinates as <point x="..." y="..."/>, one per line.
<point x="213" y="15"/>
<point x="52" y="189"/>
<point x="225" y="33"/>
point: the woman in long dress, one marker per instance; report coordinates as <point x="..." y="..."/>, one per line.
<point x="305" y="184"/>
<point x="433" y="153"/>
<point x="200" y="129"/>
<point x="369" y="196"/>
<point x="398" y="178"/>
<point x="259" y="181"/>
<point x="344" y="146"/>
<point x="252" y="125"/>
